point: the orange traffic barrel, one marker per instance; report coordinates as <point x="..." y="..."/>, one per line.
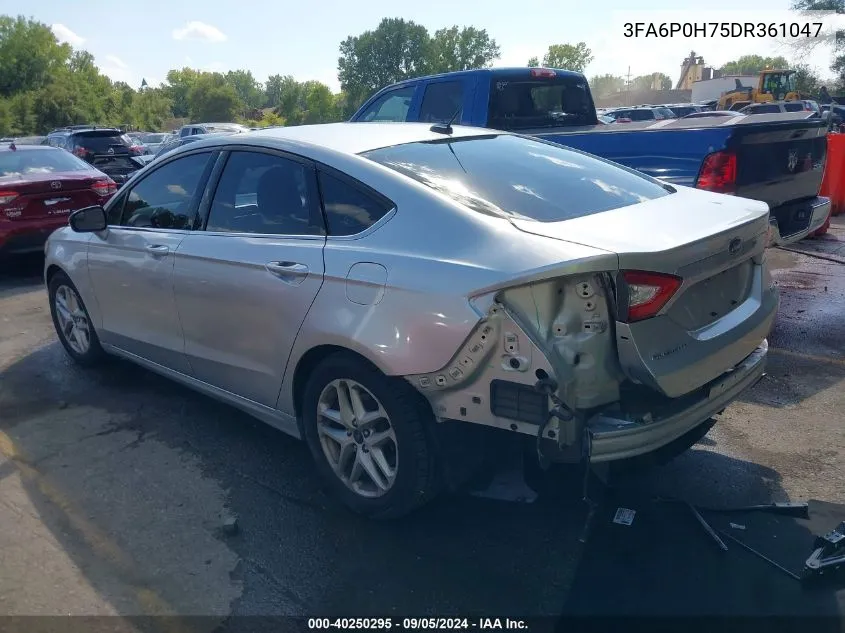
<point x="833" y="183"/>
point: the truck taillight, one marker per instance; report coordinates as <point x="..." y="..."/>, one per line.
<point x="7" y="196"/>
<point x="648" y="292"/>
<point x="546" y="73"/>
<point x="104" y="188"/>
<point x="718" y="173"/>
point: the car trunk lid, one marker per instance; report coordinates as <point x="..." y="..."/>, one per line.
<point x="714" y="247"/>
<point x="51" y="195"/>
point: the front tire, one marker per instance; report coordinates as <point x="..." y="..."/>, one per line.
<point x="369" y="435"/>
<point x="72" y="322"/>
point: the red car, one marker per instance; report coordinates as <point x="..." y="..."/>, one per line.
<point x="39" y="187"/>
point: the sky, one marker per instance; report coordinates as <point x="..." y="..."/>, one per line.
<point x="143" y="40"/>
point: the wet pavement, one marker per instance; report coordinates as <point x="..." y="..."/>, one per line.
<point x="121" y="482"/>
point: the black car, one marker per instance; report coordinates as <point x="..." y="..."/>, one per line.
<point x="107" y="149"/>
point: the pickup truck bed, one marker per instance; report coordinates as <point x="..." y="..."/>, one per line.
<point x="775" y="158"/>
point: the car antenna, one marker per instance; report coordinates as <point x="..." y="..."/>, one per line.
<point x="446" y="128"/>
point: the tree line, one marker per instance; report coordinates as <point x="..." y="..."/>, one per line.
<point x="46" y="84"/>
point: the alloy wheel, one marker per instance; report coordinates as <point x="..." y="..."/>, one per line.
<point x="357" y="438"/>
<point x="73" y="321"/>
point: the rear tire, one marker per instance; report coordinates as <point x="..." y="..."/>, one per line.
<point x="370" y="436"/>
<point x="72" y="322"/>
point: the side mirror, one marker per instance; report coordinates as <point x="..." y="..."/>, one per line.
<point x="89" y="220"/>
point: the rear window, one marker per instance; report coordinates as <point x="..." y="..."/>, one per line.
<point x="511" y="176"/>
<point x="31" y="162"/>
<point x="667" y="113"/>
<point x="521" y="104"/>
<point x="640" y="115"/>
<point x="793" y="107"/>
<point x="100" y="142"/>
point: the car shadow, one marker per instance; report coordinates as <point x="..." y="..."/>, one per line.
<point x="299" y="552"/>
<point x="20" y="274"/>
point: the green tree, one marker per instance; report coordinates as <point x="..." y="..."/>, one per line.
<point x="568" y="56"/>
<point x="462" y="49"/>
<point x="653" y="81"/>
<point x="806" y="81"/>
<point x="29" y="55"/>
<point x="212" y="98"/>
<point x="179" y="84"/>
<point x="397" y="49"/>
<point x="273" y="91"/>
<point x="835" y="39"/>
<point x="604" y="85"/>
<point x="753" y="64"/>
<point x="150" y="109"/>
<point x="248" y="89"/>
<point x="289" y="102"/>
<point x="534" y="62"/>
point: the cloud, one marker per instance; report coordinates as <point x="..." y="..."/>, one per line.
<point x="118" y="70"/>
<point x="199" y="31"/>
<point x="116" y="62"/>
<point x="64" y="34"/>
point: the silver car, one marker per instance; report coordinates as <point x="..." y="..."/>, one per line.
<point x="372" y="287"/>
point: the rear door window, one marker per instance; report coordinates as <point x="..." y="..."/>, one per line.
<point x="441" y="101"/>
<point x="391" y="106"/>
<point x="266" y="195"/>
<point x="513" y="176"/>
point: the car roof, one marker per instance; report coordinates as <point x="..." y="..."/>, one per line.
<point x="355" y="138"/>
<point x="28" y="148"/>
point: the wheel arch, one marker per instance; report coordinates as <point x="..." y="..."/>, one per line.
<point x="306" y="365"/>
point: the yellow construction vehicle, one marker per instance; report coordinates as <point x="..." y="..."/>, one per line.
<point x="772" y="85"/>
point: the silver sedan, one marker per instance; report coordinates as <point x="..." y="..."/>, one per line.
<point x="373" y="287"/>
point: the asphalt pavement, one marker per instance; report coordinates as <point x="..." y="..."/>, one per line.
<point x="122" y="487"/>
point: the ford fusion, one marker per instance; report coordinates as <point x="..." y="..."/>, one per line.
<point x="367" y="287"/>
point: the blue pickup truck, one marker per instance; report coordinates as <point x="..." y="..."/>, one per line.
<point x="776" y="158"/>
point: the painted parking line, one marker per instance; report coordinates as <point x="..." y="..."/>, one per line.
<point x="819" y="359"/>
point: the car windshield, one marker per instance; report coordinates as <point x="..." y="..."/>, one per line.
<point x="24" y="163"/>
<point x="522" y="104"/>
<point x="793" y="107"/>
<point x="512" y="176"/>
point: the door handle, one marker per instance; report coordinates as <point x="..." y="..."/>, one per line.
<point x="157" y="249"/>
<point x="287" y="269"/>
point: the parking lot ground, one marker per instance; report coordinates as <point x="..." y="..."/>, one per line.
<point x="116" y="483"/>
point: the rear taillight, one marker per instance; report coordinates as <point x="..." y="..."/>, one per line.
<point x="718" y="173"/>
<point x="104" y="188"/>
<point x="648" y="292"/>
<point x="624" y="119"/>
<point x="546" y="73"/>
<point x="80" y="152"/>
<point x="136" y="149"/>
<point x="7" y="197"/>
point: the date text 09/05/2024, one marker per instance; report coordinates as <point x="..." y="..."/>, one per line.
<point x="418" y="624"/>
<point x="723" y="29"/>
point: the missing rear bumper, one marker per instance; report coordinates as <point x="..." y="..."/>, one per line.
<point x="615" y="438"/>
